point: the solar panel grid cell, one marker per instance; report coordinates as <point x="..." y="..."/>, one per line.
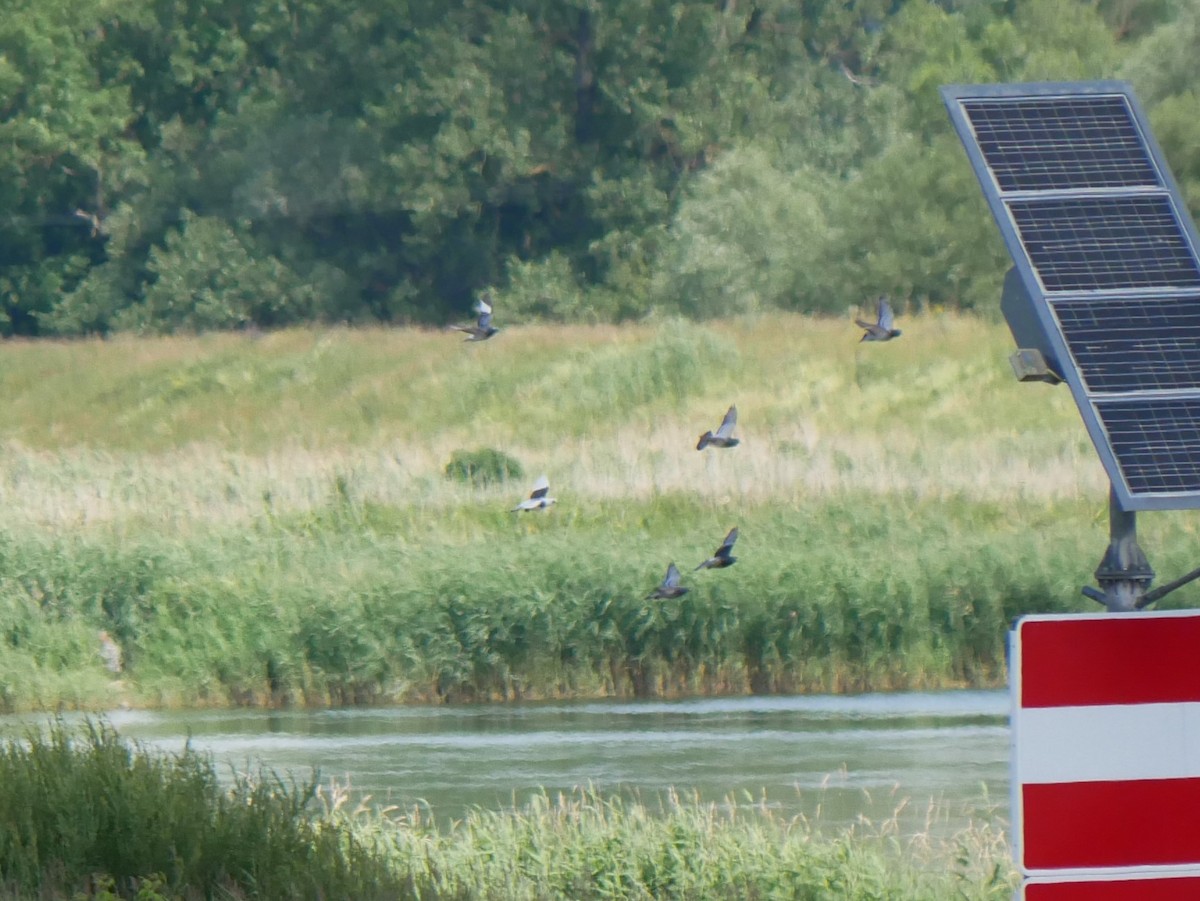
<point x="1156" y="441"/>
<point x="1057" y="143"/>
<point x="1132" y="343"/>
<point x="1098" y="243"/>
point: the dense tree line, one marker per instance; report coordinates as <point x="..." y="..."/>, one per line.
<point x="192" y="164"/>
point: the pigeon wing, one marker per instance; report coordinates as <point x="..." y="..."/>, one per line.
<point x="727" y="545"/>
<point x="887" y="318"/>
<point x="728" y="423"/>
<point x="671" y="579"/>
<point x="540" y="488"/>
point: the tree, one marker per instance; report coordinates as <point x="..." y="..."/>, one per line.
<point x="65" y="152"/>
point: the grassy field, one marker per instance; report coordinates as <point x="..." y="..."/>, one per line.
<point x="87" y="815"/>
<point x="267" y="519"/>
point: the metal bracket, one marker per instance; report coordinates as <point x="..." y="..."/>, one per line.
<point x="1125" y="574"/>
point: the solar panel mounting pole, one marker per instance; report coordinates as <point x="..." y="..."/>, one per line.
<point x="1124" y="572"/>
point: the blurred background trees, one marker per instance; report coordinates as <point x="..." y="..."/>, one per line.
<point x="197" y="164"/>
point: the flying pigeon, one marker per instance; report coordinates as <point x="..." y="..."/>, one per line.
<point x="883" y="328"/>
<point x="483" y="328"/>
<point x="723" y="556"/>
<point x="722" y="437"/>
<point x="537" y="499"/>
<point x="670" y="587"/>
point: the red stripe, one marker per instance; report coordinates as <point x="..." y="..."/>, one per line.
<point x="1083" y="825"/>
<point x="1129" y="659"/>
<point x="1163" y="889"/>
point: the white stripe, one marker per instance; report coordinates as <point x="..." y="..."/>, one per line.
<point x="1110" y="743"/>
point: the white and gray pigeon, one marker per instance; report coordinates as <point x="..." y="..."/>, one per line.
<point x="723" y="437"/>
<point x="670" y="587"/>
<point x="483" y="328"/>
<point x="884" y="326"/>
<point x="539" y="498"/>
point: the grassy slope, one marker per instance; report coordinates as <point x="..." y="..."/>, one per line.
<point x="258" y="519"/>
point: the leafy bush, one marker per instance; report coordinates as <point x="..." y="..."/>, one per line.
<point x="485" y="466"/>
<point x="207" y="275"/>
<point x="746" y="237"/>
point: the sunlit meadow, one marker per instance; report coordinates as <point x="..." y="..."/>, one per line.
<point x="265" y="519"/>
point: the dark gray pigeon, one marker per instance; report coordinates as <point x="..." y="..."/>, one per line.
<point x="724" y="556"/>
<point x="538" y="498"/>
<point x="483" y="328"/>
<point x="724" y="434"/>
<point x="883" y="328"/>
<point x="670" y="587"/>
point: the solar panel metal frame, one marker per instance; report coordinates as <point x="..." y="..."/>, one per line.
<point x="998" y="199"/>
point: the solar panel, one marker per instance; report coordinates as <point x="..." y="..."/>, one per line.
<point x="1157" y="440"/>
<point x="1130" y="343"/>
<point x="1097" y="243"/>
<point x="1107" y="262"/>
<point x="1054" y="143"/>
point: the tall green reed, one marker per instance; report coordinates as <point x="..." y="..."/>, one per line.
<point x="77" y="803"/>
<point x="349" y="606"/>
<point x="87" y="814"/>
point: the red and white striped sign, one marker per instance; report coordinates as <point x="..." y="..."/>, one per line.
<point x="1106" y="753"/>
<point x="1173" y="887"/>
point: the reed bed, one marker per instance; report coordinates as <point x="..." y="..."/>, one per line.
<point x="363" y="603"/>
<point x="90" y="816"/>
<point x="268" y="520"/>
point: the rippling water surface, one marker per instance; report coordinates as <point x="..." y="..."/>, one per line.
<point x="836" y="758"/>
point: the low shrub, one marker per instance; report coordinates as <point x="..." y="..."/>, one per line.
<point x="483" y="467"/>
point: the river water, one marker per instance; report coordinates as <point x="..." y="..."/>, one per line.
<point x="940" y="758"/>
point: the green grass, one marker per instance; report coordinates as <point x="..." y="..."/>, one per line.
<point x="86" y="814"/>
<point x="88" y="808"/>
<point x="269" y="521"/>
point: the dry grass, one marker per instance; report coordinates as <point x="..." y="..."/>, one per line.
<point x="223" y="428"/>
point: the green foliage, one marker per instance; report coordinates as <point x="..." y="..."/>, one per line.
<point x="205" y="277"/>
<point x="275" y="615"/>
<point x="748" y="236"/>
<point x="482" y="467"/>
<point x="86" y="802"/>
<point x="175" y="166"/>
<point x="591" y="847"/>
<point x="89" y="815"/>
<point x="678" y="362"/>
<point x="269" y="521"/>
<point x="546" y="289"/>
<point x="929" y="243"/>
<point x="1160" y="71"/>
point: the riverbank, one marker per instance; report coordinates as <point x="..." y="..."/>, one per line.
<point x="270" y="521"/>
<point x="91" y="816"/>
